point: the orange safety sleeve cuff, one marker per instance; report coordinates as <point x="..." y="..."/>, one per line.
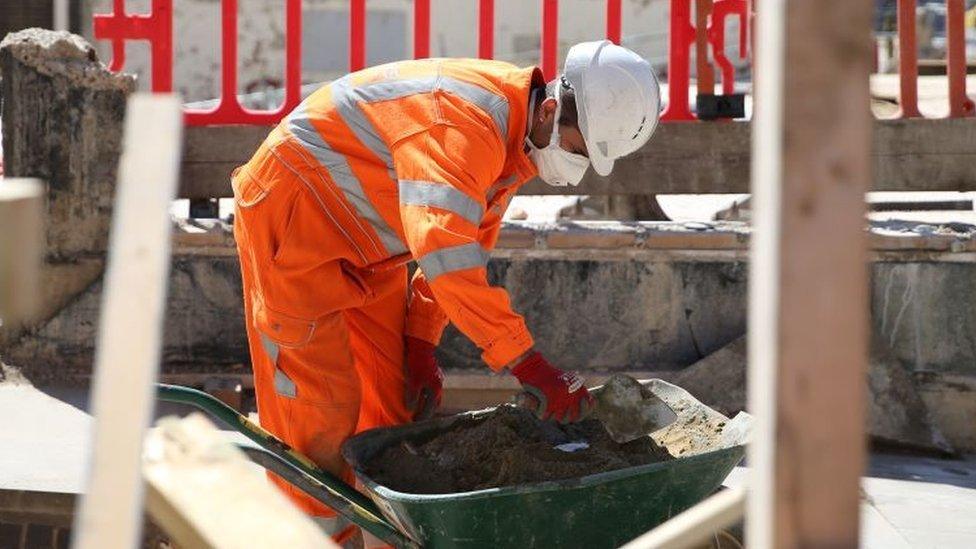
<point x="503" y="350"/>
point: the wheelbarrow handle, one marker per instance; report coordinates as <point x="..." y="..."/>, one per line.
<point x="296" y="468"/>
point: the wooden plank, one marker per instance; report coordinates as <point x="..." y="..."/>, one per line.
<point x="131" y="322"/>
<point x="808" y="318"/>
<point x="210" y="155"/>
<point x="696" y="157"/>
<point x="21" y="247"/>
<point x="204" y="492"/>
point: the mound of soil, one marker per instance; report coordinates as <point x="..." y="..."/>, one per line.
<point x="508" y="447"/>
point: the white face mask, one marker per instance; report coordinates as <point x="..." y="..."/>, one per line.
<point x="557" y="166"/>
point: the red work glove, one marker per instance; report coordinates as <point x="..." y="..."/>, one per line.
<point x="424" y="378"/>
<point x="560" y="395"/>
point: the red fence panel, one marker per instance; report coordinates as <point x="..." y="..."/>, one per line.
<point x="421" y="29"/>
<point x="357" y="34"/>
<point x="680" y="41"/>
<point x="156" y="27"/>
<point x="614" y="21"/>
<point x="486" y="29"/>
<point x="908" y="59"/>
<point x="960" y="104"/>
<point x="550" y="37"/>
<point x="721" y="10"/>
<point x="229" y="110"/>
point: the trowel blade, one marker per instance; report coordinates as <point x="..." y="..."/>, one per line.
<point x="628" y="410"/>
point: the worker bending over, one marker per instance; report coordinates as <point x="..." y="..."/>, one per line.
<point x="411" y="161"/>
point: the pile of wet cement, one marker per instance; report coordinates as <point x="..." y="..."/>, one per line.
<point x="508" y="447"/>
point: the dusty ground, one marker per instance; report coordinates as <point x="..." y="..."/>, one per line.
<point x="510" y="447"/>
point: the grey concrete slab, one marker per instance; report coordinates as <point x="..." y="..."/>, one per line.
<point x="43" y="441"/>
<point x="927" y="514"/>
<point x="913" y="502"/>
<point x="877" y="532"/>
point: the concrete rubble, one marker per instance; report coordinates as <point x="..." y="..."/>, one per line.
<point x="897" y="414"/>
<point x="62" y="123"/>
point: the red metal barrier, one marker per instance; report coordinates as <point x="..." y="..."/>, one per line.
<point x="357" y="34"/>
<point x="486" y="29"/>
<point x="680" y="41"/>
<point x="908" y="59"/>
<point x="614" y="21"/>
<point x="960" y="105"/>
<point x="421" y="29"/>
<point x="683" y="35"/>
<point x="550" y="37"/>
<point x="716" y="36"/>
<point x="156" y="27"/>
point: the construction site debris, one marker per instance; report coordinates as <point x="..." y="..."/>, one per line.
<point x="507" y="447"/>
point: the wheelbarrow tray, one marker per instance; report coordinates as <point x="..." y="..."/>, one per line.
<point x="600" y="510"/>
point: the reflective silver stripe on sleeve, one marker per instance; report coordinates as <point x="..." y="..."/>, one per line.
<point x="452" y="259"/>
<point x="301" y="127"/>
<point x="440" y="195"/>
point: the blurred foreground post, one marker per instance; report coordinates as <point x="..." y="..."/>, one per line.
<point x="204" y="492"/>
<point x="21" y="247"/>
<point x="808" y="316"/>
<point x="131" y="322"/>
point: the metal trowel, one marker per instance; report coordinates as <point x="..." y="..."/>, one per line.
<point x="628" y="410"/>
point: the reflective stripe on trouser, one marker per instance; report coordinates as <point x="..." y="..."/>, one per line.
<point x="345" y="365"/>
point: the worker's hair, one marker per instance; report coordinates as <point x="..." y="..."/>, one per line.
<point x="568" y="116"/>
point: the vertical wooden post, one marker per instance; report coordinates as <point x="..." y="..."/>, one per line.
<point x="131" y="322"/>
<point x="808" y="324"/>
<point x="21" y="247"/>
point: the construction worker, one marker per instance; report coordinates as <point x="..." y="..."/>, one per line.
<point x="411" y="161"/>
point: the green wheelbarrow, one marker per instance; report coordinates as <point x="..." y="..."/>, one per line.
<point x="601" y="510"/>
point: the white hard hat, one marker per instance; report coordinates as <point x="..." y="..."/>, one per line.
<point x="617" y="98"/>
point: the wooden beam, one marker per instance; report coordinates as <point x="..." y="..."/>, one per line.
<point x="211" y="154"/>
<point x="131" y="322"/>
<point x="21" y="247"/>
<point x="808" y="318"/>
<point x="204" y="492"/>
<point x="687" y="157"/>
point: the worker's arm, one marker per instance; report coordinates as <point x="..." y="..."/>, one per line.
<point x="444" y="173"/>
<point x="425" y="318"/>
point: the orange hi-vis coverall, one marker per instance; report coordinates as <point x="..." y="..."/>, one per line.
<point x="415" y="160"/>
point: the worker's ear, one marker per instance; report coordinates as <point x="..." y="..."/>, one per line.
<point x="547" y="111"/>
